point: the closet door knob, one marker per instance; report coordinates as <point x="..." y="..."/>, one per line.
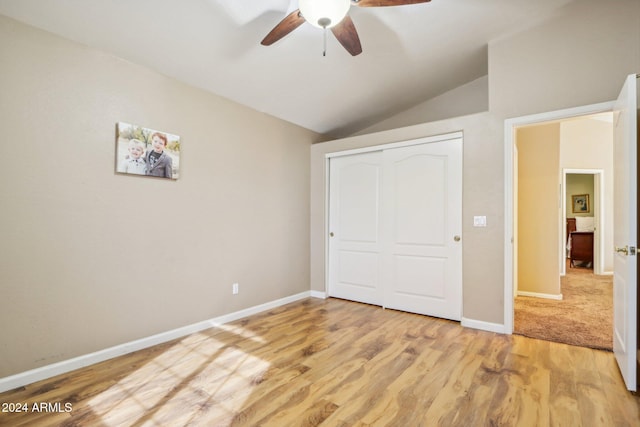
<point x="456" y="238"/>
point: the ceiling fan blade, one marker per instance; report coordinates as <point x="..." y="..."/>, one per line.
<point x="347" y="35"/>
<point x="288" y="24"/>
<point x="380" y="3"/>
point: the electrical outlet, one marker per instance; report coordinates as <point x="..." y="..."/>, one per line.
<point x="235" y="288"/>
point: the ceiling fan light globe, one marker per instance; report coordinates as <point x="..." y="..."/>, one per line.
<point x="324" y="13"/>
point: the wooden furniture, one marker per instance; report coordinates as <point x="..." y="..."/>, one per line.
<point x="581" y="247"/>
<point x="580" y="244"/>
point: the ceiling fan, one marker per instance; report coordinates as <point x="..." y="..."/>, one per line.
<point x="330" y="14"/>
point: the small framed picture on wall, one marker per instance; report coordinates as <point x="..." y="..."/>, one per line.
<point x="147" y="152"/>
<point x="580" y="203"/>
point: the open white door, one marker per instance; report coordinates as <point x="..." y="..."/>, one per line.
<point x="625" y="231"/>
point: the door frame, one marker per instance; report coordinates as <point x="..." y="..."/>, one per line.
<point x="348" y="152"/>
<point x="598" y="203"/>
<point x="510" y="198"/>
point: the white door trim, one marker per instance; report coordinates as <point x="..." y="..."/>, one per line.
<point x="598" y="204"/>
<point x="509" y="139"/>
<point x="400" y="144"/>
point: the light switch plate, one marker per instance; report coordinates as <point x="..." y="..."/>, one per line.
<point x="480" y="221"/>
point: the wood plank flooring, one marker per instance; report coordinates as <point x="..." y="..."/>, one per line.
<point x="338" y="363"/>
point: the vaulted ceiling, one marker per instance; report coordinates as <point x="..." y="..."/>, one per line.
<point x="410" y="53"/>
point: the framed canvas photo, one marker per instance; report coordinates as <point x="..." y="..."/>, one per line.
<point x="580" y="203"/>
<point x="147" y="152"/>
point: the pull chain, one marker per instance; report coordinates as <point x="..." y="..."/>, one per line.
<point x="324" y="23"/>
<point x="324" y="51"/>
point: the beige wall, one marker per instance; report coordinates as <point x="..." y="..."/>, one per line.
<point x="580" y="56"/>
<point x="90" y="259"/>
<point x="538" y="208"/>
<point x="470" y="98"/>
<point x="588" y="144"/>
<point x="579" y="184"/>
<point x="543" y="152"/>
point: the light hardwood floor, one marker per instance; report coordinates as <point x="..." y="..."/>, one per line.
<point x="338" y="363"/>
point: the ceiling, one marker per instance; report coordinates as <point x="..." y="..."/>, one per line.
<point x="410" y="53"/>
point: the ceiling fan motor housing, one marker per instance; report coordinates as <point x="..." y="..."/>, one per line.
<point x="324" y="13"/>
<point x="330" y="14"/>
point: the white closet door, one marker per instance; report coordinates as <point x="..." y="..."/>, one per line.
<point x="395" y="220"/>
<point x="354" y="211"/>
<point x="422" y="223"/>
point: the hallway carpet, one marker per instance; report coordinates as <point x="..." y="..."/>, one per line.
<point x="584" y="317"/>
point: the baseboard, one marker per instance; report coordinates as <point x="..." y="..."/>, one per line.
<point x="318" y="294"/>
<point x="484" y="326"/>
<point x="48" y="371"/>
<point x="540" y="295"/>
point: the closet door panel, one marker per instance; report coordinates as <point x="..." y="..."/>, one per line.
<point x="354" y="224"/>
<point x="419" y="200"/>
<point x="419" y="276"/>
<point x="422" y="193"/>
